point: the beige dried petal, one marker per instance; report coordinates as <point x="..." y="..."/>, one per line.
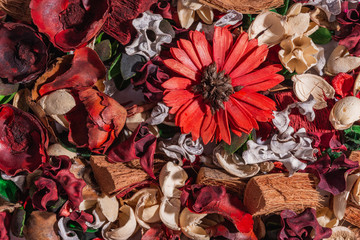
<point x="169" y="212"/>
<point x="268" y="28"/>
<point x="306" y="84"/>
<point x="133" y="122"/>
<point x="298" y="53"/>
<point x="356" y="87"/>
<point x="326" y="217"/>
<point x="340" y="200"/>
<point x="57" y="103"/>
<point x="109" y="207"/>
<point x="355" y="193"/>
<point x="185" y="14"/>
<point x="230" y="164"/>
<point x="126" y="225"/>
<point x="189" y="223"/>
<point x="57" y="149"/>
<point x="297" y="24"/>
<point x="319" y="17"/>
<point x="172" y="177"/>
<point x="206" y="14"/>
<point x="340" y="61"/>
<point x="342" y="233"/>
<point x="191" y="4"/>
<point x="345" y="112"/>
<point x="294" y="10"/>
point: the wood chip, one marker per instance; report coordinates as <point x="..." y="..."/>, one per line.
<point x="216" y="177"/>
<point x="243" y="6"/>
<point x="273" y="193"/>
<point x="352" y="214"/>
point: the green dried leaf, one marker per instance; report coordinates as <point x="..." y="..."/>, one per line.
<point x="8" y="190"/>
<point x="167" y="131"/>
<point x="129" y="64"/>
<point x="18" y="222"/>
<point x="321" y="36"/>
<point x="352" y="137"/>
<point x="6" y="99"/>
<point x="236" y="142"/>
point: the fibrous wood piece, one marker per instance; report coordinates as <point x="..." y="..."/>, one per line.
<point x="18" y="9"/>
<point x="352" y="214"/>
<point x="216" y="177"/>
<point x="243" y="6"/>
<point x="273" y="193"/>
<point x="114" y="176"/>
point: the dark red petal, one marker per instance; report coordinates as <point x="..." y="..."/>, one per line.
<point x="46" y="192"/>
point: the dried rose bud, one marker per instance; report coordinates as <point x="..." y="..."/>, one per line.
<point x="23" y="54"/>
<point x="23" y="141"/>
<point x="69" y="24"/>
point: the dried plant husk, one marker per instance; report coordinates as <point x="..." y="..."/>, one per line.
<point x="243" y="6"/>
<point x="341" y="61"/>
<point x="345" y="112"/>
<point x="310" y="84"/>
<point x="18" y="9"/>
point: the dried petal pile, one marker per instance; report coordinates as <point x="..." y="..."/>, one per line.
<point x="179" y="119"/>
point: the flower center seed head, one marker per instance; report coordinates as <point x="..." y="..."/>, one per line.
<point x="215" y="87"/>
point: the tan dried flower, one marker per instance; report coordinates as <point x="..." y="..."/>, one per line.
<point x="298" y="53"/>
<point x="187" y="9"/>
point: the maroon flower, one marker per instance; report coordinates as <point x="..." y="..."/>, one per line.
<point x="23" y="141"/>
<point x="4" y="225"/>
<point x="69" y="24"/>
<point x="119" y="24"/>
<point x="96" y="120"/>
<point x="300" y="226"/>
<point x="23" y="55"/>
<point x="150" y="81"/>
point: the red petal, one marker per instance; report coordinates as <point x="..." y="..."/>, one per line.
<point x="202" y="47"/>
<point x="191" y="118"/>
<point x="223" y="126"/>
<point x="181" y="69"/>
<point x="182" y="57"/>
<point x="208" y="126"/>
<point x="177" y="83"/>
<point x="265" y="85"/>
<point x="257" y="76"/>
<point x="236" y="52"/>
<point x="239" y="118"/>
<point x="222" y="41"/>
<point x="255" y="99"/>
<point x="187" y="46"/>
<point x="259" y="114"/>
<point x="253" y="60"/>
<point x="177" y="99"/>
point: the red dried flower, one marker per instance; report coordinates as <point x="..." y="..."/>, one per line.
<point x="219" y="85"/>
<point x="23" y="141"/>
<point x="69" y="24"/>
<point x="23" y="54"/>
<point x="95" y="121"/>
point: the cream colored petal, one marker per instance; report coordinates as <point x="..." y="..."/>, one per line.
<point x="206" y="14"/>
<point x="340" y="61"/>
<point x="58" y="102"/>
<point x="191" y="4"/>
<point x="126" y="225"/>
<point x="186" y="15"/>
<point x="355" y="193"/>
<point x="169" y="212"/>
<point x="189" y="223"/>
<point x="313" y="27"/>
<point x="151" y="214"/>
<point x="342" y="233"/>
<point x="109" y="207"/>
<point x="297" y="24"/>
<point x="345" y="112"/>
<point x="356" y="88"/>
<point x="57" y="149"/>
<point x="227" y="162"/>
<point x="172" y="177"/>
<point x="326" y="217"/>
<point x="294" y="10"/>
<point x="306" y="84"/>
<point x="268" y="28"/>
<point x="142" y="213"/>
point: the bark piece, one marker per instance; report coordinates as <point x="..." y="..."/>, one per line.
<point x="18" y="9"/>
<point x="243" y="6"/>
<point x="275" y="192"/>
<point x="216" y="177"/>
<point x="40" y="226"/>
<point x="114" y="176"/>
<point x="352" y="214"/>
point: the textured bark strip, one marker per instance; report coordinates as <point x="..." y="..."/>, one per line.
<point x="216" y="177"/>
<point x="113" y="176"/>
<point x="273" y="193"/>
<point x="352" y="214"/>
<point x="243" y="6"/>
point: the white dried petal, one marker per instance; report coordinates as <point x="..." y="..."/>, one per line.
<point x="189" y="223"/>
<point x="126" y="225"/>
<point x="98" y="222"/>
<point x="151" y="35"/>
<point x="58" y="102"/>
<point x="330" y="7"/>
<point x="169" y="212"/>
<point x="158" y="114"/>
<point x="109" y="207"/>
<point x="341" y="61"/>
<point x="172" y="177"/>
<point x="236" y="168"/>
<point x="321" y="61"/>
<point x="310" y="84"/>
<point x="57" y="149"/>
<point x="298" y="53"/>
<point x="268" y="28"/>
<point x="340" y="200"/>
<point x="345" y="112"/>
<point x="64" y="232"/>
